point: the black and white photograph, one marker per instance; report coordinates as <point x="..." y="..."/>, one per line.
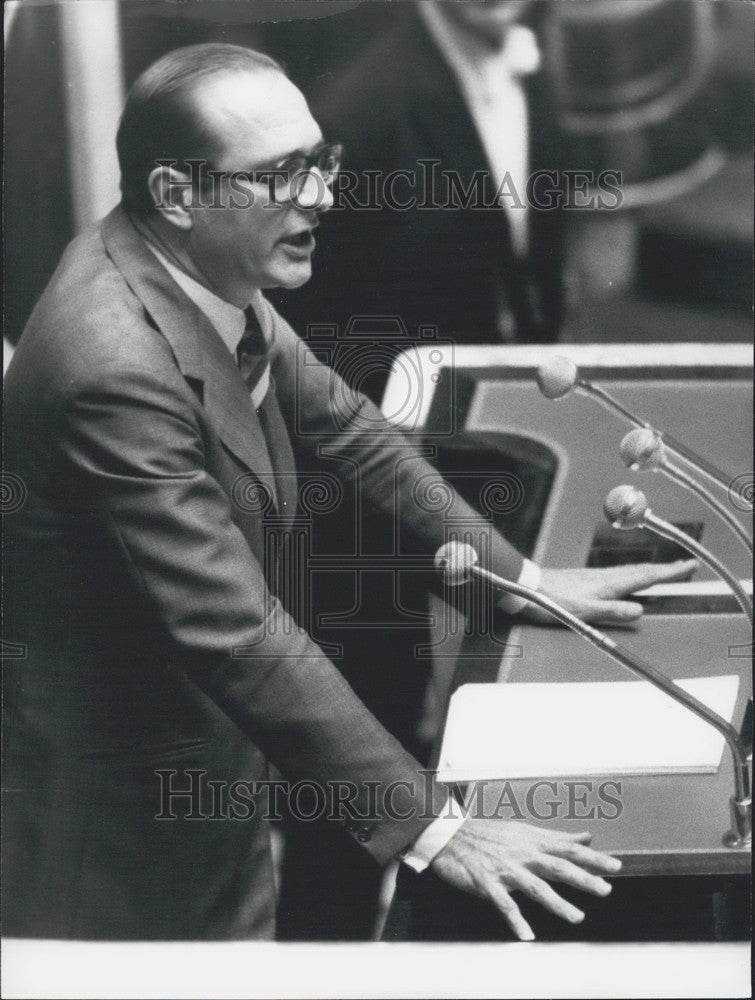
<point x="377" y="499"/>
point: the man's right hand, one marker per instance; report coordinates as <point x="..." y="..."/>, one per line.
<point x="494" y="857"/>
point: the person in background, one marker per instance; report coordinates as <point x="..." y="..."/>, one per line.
<point x="453" y="89"/>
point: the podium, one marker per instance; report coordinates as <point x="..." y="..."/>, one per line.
<point x="670" y="827"/>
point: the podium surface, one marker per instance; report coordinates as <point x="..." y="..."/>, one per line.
<point x="669" y="826"/>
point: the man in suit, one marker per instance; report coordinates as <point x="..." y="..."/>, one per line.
<point x="152" y="670"/>
<point x="450" y="112"/>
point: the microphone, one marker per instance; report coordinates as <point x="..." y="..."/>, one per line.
<point x="643" y="450"/>
<point x="455" y="561"/>
<point x="626" y="508"/>
<point x="559" y="376"/>
<point x="458" y="563"/>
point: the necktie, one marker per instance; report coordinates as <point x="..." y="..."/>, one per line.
<point x="251" y="357"/>
<point x="254" y="365"/>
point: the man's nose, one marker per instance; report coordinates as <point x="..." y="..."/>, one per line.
<point x="312" y="193"/>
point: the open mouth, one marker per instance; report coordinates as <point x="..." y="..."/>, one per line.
<point x="300" y="240"/>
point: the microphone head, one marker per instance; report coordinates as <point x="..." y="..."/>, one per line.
<point x="643" y="450"/>
<point x="625" y="507"/>
<point x="557" y="377"/>
<point x="453" y="561"/>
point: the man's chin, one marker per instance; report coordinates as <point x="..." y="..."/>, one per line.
<point x="291" y="277"/>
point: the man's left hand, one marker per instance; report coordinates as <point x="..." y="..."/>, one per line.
<point x="595" y="595"/>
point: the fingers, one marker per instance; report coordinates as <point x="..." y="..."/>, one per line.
<point x="594" y="861"/>
<point x="573" y="847"/>
<point x="626" y="579"/>
<point x="679" y="570"/>
<point x="583" y="837"/>
<point x="539" y="890"/>
<point x="510" y="911"/>
<point x="562" y="870"/>
<point x="612" y="612"/>
<point x="495" y="858"/>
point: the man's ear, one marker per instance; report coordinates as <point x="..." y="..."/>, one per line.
<point x="171" y="195"/>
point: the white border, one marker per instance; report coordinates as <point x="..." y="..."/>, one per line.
<point x="60" y="970"/>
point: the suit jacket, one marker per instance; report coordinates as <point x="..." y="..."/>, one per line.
<point x="453" y="268"/>
<point x="142" y="634"/>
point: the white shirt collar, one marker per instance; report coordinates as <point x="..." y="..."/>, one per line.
<point x="227" y="319"/>
<point x="472" y="59"/>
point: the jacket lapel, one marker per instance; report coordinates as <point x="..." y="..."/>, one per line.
<point x="200" y="354"/>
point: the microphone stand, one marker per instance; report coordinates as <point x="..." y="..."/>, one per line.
<point x="673" y="534"/>
<point x="587" y="388"/>
<point x="681" y="477"/>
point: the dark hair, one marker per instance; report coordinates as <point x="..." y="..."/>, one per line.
<point x="160" y="120"/>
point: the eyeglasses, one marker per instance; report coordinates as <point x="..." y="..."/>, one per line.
<point x="286" y="176"/>
<point x="326" y="158"/>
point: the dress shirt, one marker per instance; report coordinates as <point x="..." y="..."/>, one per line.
<point x="228" y="320"/>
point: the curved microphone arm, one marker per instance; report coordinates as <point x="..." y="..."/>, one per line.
<point x="560" y="376"/>
<point x="673" y="534"/>
<point x="587" y="388"/>
<point x="681" y="477"/>
<point x="597" y="392"/>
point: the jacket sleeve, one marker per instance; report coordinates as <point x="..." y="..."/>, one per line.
<point x="329" y="417"/>
<point x="132" y="452"/>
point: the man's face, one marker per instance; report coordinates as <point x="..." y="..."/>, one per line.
<point x="258" y="120"/>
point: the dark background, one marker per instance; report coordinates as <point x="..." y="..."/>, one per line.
<point x="710" y="232"/>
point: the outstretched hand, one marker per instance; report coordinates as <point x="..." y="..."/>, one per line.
<point x="596" y="594"/>
<point x="494" y="857"/>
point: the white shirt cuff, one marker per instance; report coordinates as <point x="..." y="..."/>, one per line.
<point x="432" y="840"/>
<point x="529" y="577"/>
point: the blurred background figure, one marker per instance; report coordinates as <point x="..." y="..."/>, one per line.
<point x="620" y="83"/>
<point x="627" y="114"/>
<point x="450" y="90"/>
<point x="491" y="93"/>
<point x="684" y="272"/>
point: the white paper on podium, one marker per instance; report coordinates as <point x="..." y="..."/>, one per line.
<point x="506" y="731"/>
